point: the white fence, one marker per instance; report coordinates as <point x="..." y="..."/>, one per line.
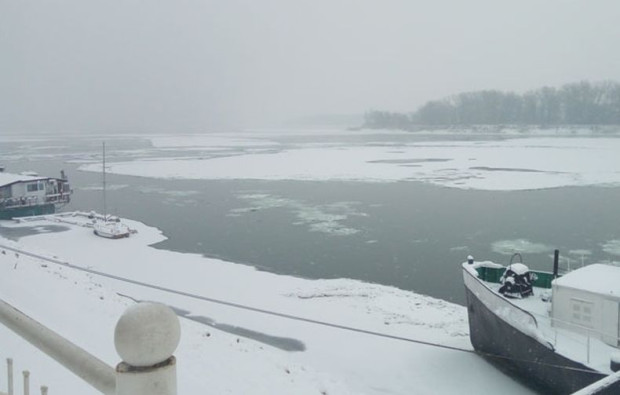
<point x="26" y="386"/>
<point x="146" y="336"/>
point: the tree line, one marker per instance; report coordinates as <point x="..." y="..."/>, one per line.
<point x="581" y="103"/>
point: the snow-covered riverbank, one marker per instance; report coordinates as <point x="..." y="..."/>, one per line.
<point x="230" y="350"/>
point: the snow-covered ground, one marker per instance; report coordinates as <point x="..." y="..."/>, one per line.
<point x="486" y="164"/>
<point x="226" y="350"/>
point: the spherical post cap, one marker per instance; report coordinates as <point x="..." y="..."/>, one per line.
<point x="147" y="334"/>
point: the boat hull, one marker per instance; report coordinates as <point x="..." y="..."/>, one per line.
<point x="111" y="230"/>
<point x="534" y="363"/>
<point x="27" y="211"/>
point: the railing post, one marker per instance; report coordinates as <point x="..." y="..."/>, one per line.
<point x="146" y="336"/>
<point x="9" y="368"/>
<point x="26" y="382"/>
<point x="588" y="346"/>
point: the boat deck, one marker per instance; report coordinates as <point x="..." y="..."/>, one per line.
<point x="582" y="345"/>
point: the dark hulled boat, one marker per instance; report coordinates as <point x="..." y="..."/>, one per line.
<point x="537" y="327"/>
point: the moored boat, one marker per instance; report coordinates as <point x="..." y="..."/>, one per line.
<point x="559" y="334"/>
<point x="111" y="229"/>
<point x="108" y="227"/>
<point x="24" y="195"/>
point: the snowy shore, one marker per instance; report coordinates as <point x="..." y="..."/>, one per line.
<point x="230" y="350"/>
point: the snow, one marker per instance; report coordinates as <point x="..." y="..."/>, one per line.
<point x="509" y="247"/>
<point x="326" y="218"/>
<point x="519" y="268"/>
<point x="596" y="278"/>
<point x="612" y="247"/>
<point x="8" y="178"/>
<point x="494" y="164"/>
<point x="209" y="141"/>
<point x="230" y="350"/>
<point x="471" y="267"/>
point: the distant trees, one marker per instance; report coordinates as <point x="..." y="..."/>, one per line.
<point x="581" y="103"/>
<point x="387" y="120"/>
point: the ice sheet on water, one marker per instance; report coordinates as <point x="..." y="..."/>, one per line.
<point x="109" y="187"/>
<point x="209" y="141"/>
<point x="326" y="218"/>
<point x="484" y="164"/>
<point x="169" y="192"/>
<point x="509" y="247"/>
<point x="612" y="247"/>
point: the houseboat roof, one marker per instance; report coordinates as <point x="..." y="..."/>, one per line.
<point x="596" y="278"/>
<point x="8" y="178"/>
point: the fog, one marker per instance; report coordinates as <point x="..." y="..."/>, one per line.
<point x="189" y="66"/>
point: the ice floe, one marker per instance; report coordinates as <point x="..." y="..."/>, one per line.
<point x="487" y="164"/>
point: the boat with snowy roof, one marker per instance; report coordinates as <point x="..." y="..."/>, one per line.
<point x="29" y="194"/>
<point x="557" y="333"/>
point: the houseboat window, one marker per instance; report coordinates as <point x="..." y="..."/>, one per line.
<point x="582" y="312"/>
<point x="39" y="186"/>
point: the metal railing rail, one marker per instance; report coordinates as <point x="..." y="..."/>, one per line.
<point x="145" y="337"/>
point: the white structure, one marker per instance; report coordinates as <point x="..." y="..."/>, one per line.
<point x="145" y="337"/>
<point x="588" y="300"/>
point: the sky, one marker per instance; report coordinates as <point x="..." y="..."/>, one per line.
<point x="200" y="66"/>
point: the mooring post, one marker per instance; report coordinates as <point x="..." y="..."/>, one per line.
<point x="146" y="336"/>
<point x="9" y="368"/>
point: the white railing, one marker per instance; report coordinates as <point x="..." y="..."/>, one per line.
<point x="583" y="342"/>
<point x="26" y="386"/>
<point x="145" y="338"/>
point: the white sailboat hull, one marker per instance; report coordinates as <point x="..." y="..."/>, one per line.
<point x="111" y="230"/>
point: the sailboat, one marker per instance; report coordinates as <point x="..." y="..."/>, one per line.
<point x="110" y="228"/>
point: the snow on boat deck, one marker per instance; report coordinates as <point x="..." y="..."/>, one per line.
<point x="568" y="343"/>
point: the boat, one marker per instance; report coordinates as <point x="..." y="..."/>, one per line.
<point x="111" y="228"/>
<point x="556" y="333"/>
<point x="108" y="226"/>
<point x="29" y="194"/>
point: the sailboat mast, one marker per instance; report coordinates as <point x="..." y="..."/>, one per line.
<point x="105" y="216"/>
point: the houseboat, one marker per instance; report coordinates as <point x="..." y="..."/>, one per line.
<point x="557" y="333"/>
<point x="24" y="195"/>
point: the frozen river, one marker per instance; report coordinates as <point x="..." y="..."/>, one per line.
<point x="390" y="208"/>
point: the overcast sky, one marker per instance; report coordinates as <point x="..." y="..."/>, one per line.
<point x="203" y="65"/>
